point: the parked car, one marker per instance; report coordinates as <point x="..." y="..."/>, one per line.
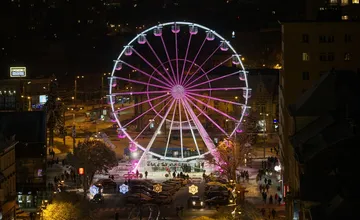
<point x="195" y="202"/>
<point x="210" y="194"/>
<point x="98" y="198"/>
<point x="106" y="184"/>
<point x="138" y="197"/>
<point x="217" y="200"/>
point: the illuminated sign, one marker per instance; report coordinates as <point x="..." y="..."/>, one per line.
<point x="43" y="99"/>
<point x="17" y="71"/>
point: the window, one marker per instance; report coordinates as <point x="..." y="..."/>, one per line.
<point x="333" y="2"/>
<point x="344" y="17"/>
<point x="305" y="57"/>
<point x="344" y="2"/>
<point x="305" y="76"/>
<point x="347" y="56"/>
<point x="330" y="57"/>
<point x="347" y="38"/>
<point x="322" y="39"/>
<point x="330" y="39"/>
<point x="323" y="57"/>
<point x="355" y="1"/>
<point x="305" y="38"/>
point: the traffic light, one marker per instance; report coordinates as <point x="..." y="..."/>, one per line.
<point x="81" y="171"/>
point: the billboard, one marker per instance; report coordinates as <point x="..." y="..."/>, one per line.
<point x="17" y="71"/>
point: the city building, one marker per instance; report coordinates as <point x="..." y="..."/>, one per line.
<point x="29" y="129"/>
<point x="324" y="140"/>
<point x="7" y="177"/>
<point x="264" y="98"/>
<point x="23" y="94"/>
<point x="332" y="10"/>
<point x="309" y="50"/>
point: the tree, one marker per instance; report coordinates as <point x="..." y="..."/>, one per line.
<point x="228" y="157"/>
<point x="93" y="156"/>
<point x="54" y="112"/>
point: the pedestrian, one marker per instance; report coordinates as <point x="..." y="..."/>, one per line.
<point x="279" y="200"/>
<point x="265" y="181"/>
<point x="273" y="212"/>
<point x="276" y="197"/>
<point x="263" y="212"/>
<point x="116" y="216"/>
<point x="146" y="174"/>
<point x="137" y="173"/>
<point x="271" y="199"/>
<point x="271" y="150"/>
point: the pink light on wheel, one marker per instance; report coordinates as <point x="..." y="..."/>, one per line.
<point x="167" y="76"/>
<point x="132" y="147"/>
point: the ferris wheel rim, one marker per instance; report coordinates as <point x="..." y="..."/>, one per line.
<point x="130" y="43"/>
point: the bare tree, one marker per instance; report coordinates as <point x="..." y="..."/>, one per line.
<point x="93" y="156"/>
<point x="228" y="157"/>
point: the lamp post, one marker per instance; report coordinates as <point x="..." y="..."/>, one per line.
<point x="102" y="88"/>
<point x="75" y="87"/>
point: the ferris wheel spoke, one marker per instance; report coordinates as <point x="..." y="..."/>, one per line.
<point x="140" y="93"/>
<point x="200" y="67"/>
<point x="186" y="54"/>
<point x="193" y="62"/>
<point x="181" y="134"/>
<point x="161" y="63"/>
<point x="142" y="114"/>
<point x="156" y="70"/>
<point x="215" y="79"/>
<point x="191" y="130"/>
<point x="151" y="142"/>
<point x="140" y="82"/>
<point x="177" y="61"/>
<point x="216" y="99"/>
<point x="140" y="103"/>
<point x="212" y="69"/>
<point x="170" y="129"/>
<point x="211" y="120"/>
<point x="143" y="72"/>
<point x="168" y="57"/>
<point x="217" y="89"/>
<point x="157" y="115"/>
<point x="212" y="108"/>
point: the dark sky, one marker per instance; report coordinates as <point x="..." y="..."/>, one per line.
<point x="73" y="36"/>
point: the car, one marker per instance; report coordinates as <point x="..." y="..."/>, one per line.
<point x="106" y="184"/>
<point x="195" y="202"/>
<point x="98" y="198"/>
<point x="138" y="197"/>
<point x="217" y="200"/>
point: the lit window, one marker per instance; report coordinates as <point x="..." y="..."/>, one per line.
<point x="344" y="17"/>
<point x="344" y="2"/>
<point x="355" y="1"/>
<point x="322" y="9"/>
<point x="347" y="56"/>
<point x="233" y="34"/>
<point x="305" y="76"/>
<point x="333" y="2"/>
<point x="305" y="57"/>
<point x="79" y="21"/>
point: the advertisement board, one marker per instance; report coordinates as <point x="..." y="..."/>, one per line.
<point x="17" y="71"/>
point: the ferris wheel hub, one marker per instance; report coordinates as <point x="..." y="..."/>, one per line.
<point x="178" y="92"/>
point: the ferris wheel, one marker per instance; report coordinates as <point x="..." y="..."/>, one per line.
<point x="186" y="87"/>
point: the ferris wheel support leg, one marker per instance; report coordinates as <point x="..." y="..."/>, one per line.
<point x="204" y="135"/>
<point x="170" y="129"/>
<point x="191" y="130"/>
<point x="153" y="137"/>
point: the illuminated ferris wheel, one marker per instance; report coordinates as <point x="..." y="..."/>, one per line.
<point x="183" y="97"/>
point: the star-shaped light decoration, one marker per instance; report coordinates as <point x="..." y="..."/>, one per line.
<point x="193" y="189"/>
<point x="124" y="188"/>
<point x="157" y="188"/>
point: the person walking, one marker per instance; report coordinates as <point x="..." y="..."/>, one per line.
<point x="273" y="213"/>
<point x="146" y="174"/>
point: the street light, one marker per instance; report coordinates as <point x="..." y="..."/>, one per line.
<point x="75" y="87"/>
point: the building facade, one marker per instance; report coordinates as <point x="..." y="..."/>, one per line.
<point x="7" y="178"/>
<point x="334" y="10"/>
<point x="310" y="49"/>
